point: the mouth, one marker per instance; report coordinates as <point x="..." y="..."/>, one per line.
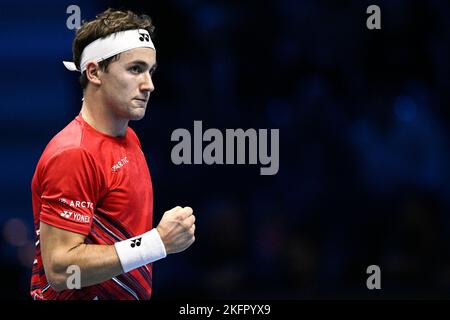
<point x="142" y="100"/>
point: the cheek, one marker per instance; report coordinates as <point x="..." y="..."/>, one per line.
<point x="125" y="87"/>
<point x="119" y="84"/>
<point x="120" y="87"/>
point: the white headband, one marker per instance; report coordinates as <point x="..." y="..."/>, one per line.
<point x="111" y="45"/>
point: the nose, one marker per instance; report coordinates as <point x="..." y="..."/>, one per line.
<point x="147" y="83"/>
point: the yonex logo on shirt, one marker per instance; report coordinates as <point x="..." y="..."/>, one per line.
<point x="66" y="214"/>
<point x="136" y="242"/>
<point x="74" y="216"/>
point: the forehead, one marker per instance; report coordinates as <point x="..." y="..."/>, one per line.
<point x="145" y="54"/>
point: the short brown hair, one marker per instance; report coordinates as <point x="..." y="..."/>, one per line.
<point x="104" y="24"/>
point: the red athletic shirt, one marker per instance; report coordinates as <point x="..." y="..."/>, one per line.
<point x="99" y="186"/>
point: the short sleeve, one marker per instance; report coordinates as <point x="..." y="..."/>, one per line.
<point x="70" y="190"/>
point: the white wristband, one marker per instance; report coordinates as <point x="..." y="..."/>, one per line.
<point x="141" y="250"/>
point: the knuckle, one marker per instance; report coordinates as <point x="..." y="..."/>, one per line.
<point x="172" y="211"/>
<point x="177" y="208"/>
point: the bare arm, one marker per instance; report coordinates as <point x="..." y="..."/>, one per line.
<point x="61" y="248"/>
<point x="98" y="263"/>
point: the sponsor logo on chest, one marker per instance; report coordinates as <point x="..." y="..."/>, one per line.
<point x="119" y="164"/>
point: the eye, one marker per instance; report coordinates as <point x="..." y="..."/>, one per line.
<point x="136" y="69"/>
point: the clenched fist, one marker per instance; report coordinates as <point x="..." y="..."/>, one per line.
<point x="177" y="229"/>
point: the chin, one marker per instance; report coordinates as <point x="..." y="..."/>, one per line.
<point x="137" y="114"/>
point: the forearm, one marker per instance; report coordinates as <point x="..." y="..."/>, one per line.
<point x="97" y="263"/>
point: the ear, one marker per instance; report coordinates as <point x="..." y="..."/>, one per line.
<point x="93" y="73"/>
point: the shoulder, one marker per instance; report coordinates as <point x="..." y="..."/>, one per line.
<point x="69" y="160"/>
<point x="133" y="136"/>
<point x="68" y="138"/>
<point x="67" y="151"/>
<point x="70" y="167"/>
<point x="132" y="133"/>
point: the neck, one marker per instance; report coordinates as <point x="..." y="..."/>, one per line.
<point x="99" y="116"/>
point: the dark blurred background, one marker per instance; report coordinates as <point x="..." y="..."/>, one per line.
<point x="364" y="149"/>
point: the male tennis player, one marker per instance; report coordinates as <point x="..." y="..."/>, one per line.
<point x="92" y="190"/>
